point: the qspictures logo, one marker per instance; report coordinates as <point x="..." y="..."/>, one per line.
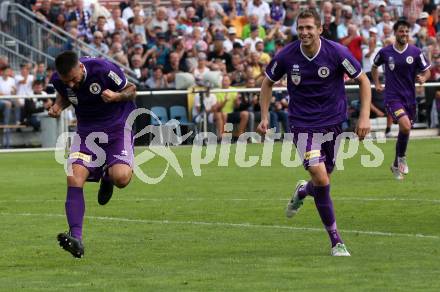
<point x="310" y="149"/>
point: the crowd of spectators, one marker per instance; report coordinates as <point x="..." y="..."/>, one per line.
<point x="236" y="38"/>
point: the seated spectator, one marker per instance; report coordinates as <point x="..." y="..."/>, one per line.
<point x="157" y="80"/>
<point x="34" y="106"/>
<point x="219" y="53"/>
<point x="252" y="40"/>
<point x="226" y="103"/>
<point x="172" y="67"/>
<point x="99" y="45"/>
<point x="201" y="68"/>
<point x="209" y="104"/>
<point x="228" y="44"/>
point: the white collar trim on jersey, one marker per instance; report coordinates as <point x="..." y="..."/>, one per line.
<point x="400" y="52"/>
<point x="317" y="53"/>
<point x="85" y="72"/>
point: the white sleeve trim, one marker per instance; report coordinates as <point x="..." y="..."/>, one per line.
<point x="359" y="74"/>
<point x="265" y="73"/>
<point x="429" y="66"/>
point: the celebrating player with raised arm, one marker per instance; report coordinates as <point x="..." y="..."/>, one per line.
<point x="404" y="65"/>
<point x="103" y="99"/>
<point x="315" y="69"/>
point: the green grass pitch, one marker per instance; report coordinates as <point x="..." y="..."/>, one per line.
<point x="224" y="230"/>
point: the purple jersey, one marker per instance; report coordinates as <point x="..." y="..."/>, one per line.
<point x="92" y="113"/>
<point x="315" y="85"/>
<point x="400" y="72"/>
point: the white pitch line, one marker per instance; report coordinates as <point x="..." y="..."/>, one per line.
<point x="225" y="224"/>
<point x="393" y="199"/>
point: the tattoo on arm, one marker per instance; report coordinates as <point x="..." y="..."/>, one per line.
<point x="128" y="93"/>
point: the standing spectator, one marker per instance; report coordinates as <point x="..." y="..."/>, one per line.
<point x="261" y="9"/>
<point x="111" y="22"/>
<point x="23" y="83"/>
<point x="40" y="72"/>
<point x="386" y="21"/>
<point x="128" y="11"/>
<point x="354" y="42"/>
<point x="329" y="28"/>
<point x="253" y="22"/>
<point x="7" y="87"/>
<point x="175" y="11"/>
<point x="81" y="17"/>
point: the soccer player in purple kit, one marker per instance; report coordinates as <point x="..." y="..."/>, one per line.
<point x="404" y="65"/>
<point x="315" y="68"/>
<point x="103" y="99"/>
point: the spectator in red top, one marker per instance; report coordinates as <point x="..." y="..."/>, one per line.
<point x="353" y="41"/>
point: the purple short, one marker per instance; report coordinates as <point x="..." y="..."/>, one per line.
<point x="96" y="155"/>
<point x="316" y="145"/>
<point x="398" y="109"/>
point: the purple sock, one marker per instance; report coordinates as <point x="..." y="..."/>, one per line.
<point x="402" y="143"/>
<point x="75" y="209"/>
<point x="308" y="189"/>
<point x="324" y="205"/>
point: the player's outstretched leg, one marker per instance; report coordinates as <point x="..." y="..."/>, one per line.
<point x="71" y="244"/>
<point x="105" y="189"/>
<point x="302" y="189"/>
<point x="75" y="209"/>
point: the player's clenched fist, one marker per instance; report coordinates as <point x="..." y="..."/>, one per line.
<point x="109" y="96"/>
<point x="55" y="111"/>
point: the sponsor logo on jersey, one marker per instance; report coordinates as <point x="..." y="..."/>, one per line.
<point x="399" y="112"/>
<point x="71" y="96"/>
<point x="82" y="156"/>
<point x="95" y="88"/>
<point x="323" y="72"/>
<point x="312" y="154"/>
<point x="349" y="67"/>
<point x="115" y="77"/>
<point x="391" y="63"/>
<point x="295" y="76"/>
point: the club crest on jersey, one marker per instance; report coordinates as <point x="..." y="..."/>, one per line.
<point x="295" y="76"/>
<point x="323" y="72"/>
<point x="71" y="96"/>
<point x="391" y="63"/>
<point x="409" y="60"/>
<point x="95" y="88"/>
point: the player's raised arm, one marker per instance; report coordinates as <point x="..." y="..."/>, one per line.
<point x="126" y="94"/>
<point x="60" y="104"/>
<point x="265" y="97"/>
<point x="363" y="124"/>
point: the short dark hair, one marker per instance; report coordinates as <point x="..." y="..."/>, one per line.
<point x="37" y="82"/>
<point x="65" y="62"/>
<point x="310" y="13"/>
<point x="401" y="22"/>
